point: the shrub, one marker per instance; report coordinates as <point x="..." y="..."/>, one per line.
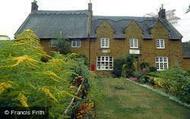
<point x="144" y="65"/>
<point x="118" y="64"/>
<point x="29" y="77"/>
<point x="137" y="74"/>
<point x="124" y="66"/>
<point x="152" y="69"/>
<point x="63" y="45"/>
<point x="176" y="82"/>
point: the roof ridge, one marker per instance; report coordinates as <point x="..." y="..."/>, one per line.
<point x="122" y="16"/>
<point x="61" y="12"/>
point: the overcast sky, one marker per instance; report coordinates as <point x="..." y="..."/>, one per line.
<point x="14" y="12"/>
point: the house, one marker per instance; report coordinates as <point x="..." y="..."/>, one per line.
<point x="102" y="39"/>
<point x="186" y="55"/>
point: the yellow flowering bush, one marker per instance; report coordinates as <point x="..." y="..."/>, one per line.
<point x="23" y="100"/>
<point x="27" y="81"/>
<point x="4" y="86"/>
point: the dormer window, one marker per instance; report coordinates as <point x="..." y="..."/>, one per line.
<point x="104" y="42"/>
<point x="160" y="43"/>
<point x="133" y="43"/>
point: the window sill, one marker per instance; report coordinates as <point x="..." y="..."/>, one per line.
<point x="134" y="47"/>
<point x="104" y="47"/>
<point x="160" y="48"/>
<point x="161" y="69"/>
<point x="104" y="69"/>
<point x="75" y="47"/>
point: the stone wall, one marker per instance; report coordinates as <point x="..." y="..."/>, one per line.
<point x="120" y="47"/>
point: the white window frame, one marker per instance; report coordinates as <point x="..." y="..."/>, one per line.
<point x="134" y="43"/>
<point x="104" y="42"/>
<point x="160" y="43"/>
<point x="53" y="43"/>
<point x="76" y="43"/>
<point x="161" y="63"/>
<point x="104" y="63"/>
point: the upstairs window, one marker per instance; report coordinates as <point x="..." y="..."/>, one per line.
<point x="161" y="63"/>
<point x="160" y="43"/>
<point x="76" y="43"/>
<point x="53" y="43"/>
<point x="133" y="43"/>
<point x="104" y="42"/>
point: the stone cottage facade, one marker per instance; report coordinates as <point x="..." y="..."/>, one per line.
<point x="102" y="39"/>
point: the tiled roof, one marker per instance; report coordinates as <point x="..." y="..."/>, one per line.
<point x="186" y="49"/>
<point x="74" y="24"/>
<point x="145" y="23"/>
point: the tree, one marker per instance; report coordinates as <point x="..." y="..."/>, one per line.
<point x="63" y="45"/>
<point x="170" y="16"/>
<point x="188" y="10"/>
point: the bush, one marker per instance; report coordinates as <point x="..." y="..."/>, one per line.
<point x="137" y="74"/>
<point x="31" y="78"/>
<point x="118" y="64"/>
<point x="124" y="66"/>
<point x="152" y="69"/>
<point x="144" y="65"/>
<point x="176" y="82"/>
<point x="63" y="45"/>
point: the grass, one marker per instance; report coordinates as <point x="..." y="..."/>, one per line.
<point x="122" y="99"/>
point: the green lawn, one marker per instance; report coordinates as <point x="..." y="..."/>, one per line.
<point x="122" y="99"/>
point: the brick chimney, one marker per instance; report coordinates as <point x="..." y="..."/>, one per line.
<point x="162" y="13"/>
<point x="90" y="6"/>
<point x="34" y="6"/>
<point x="90" y="17"/>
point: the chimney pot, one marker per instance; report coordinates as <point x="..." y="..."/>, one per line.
<point x="162" y="13"/>
<point x="90" y="6"/>
<point x="34" y="6"/>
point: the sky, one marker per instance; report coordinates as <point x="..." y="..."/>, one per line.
<point x="14" y="12"/>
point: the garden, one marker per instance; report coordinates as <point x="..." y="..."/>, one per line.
<point x="174" y="81"/>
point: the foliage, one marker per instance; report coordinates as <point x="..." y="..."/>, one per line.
<point x="28" y="81"/>
<point x="118" y="64"/>
<point x="63" y="45"/>
<point x="124" y="66"/>
<point x="175" y="81"/>
<point x="152" y="69"/>
<point x="144" y="65"/>
<point x="137" y="74"/>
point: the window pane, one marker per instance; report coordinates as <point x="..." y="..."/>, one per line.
<point x="161" y="66"/>
<point x="165" y="66"/>
<point x="161" y="59"/>
<point x="157" y="59"/>
<point x="157" y="43"/>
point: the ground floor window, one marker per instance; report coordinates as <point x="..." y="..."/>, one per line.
<point x="76" y="43"/>
<point x="53" y="43"/>
<point x="104" y="63"/>
<point x="161" y="63"/>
